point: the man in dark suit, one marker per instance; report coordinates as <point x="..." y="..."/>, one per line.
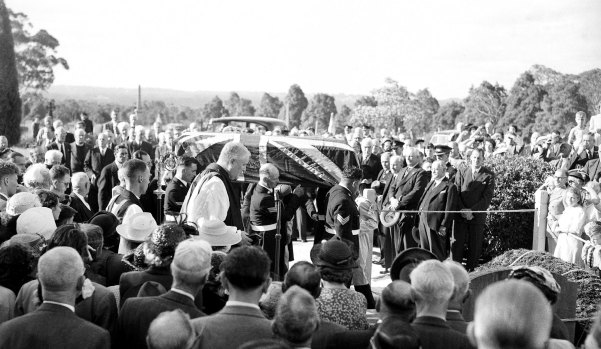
<point x="98" y="157"/>
<point x="88" y="124"/>
<point x="109" y="177"/>
<point x="370" y="160"/>
<point x="410" y="184"/>
<point x="387" y="247"/>
<point x="190" y="268"/>
<point x="586" y="151"/>
<point x="433" y="287"/>
<point x="177" y="189"/>
<point x="385" y="173"/>
<point x="245" y="275"/>
<point x="61" y="145"/>
<point x="476" y="185"/>
<point x="138" y="143"/>
<point x="81" y="186"/>
<point x="112" y="125"/>
<point x="440" y="195"/>
<point x="54" y="324"/>
<point x="556" y="150"/>
<point x="592" y="168"/>
<point x="79" y="150"/>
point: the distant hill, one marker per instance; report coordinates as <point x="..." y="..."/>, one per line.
<point x="196" y="99"/>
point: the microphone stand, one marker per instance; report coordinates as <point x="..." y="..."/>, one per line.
<point x="278" y="235"/>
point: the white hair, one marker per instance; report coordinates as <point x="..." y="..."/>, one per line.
<point x="57" y="123"/>
<point x="37" y="176"/>
<point x="461" y="278"/>
<point x="432" y="281"/>
<point x="170" y="329"/>
<point x="59" y="269"/>
<point x="78" y="179"/>
<point x="233" y="151"/>
<point x="410" y="151"/>
<point x="191" y="261"/>
<point x="270" y="171"/>
<point x="367" y="142"/>
<point x="53" y="155"/>
<point x="396" y="159"/>
<point x="123" y="125"/>
<point x="438" y="163"/>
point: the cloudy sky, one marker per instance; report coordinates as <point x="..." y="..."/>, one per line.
<point x="331" y="46"/>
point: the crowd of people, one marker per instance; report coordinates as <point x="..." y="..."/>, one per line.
<point x="95" y="254"/>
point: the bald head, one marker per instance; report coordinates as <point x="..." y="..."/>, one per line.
<point x="59" y="270"/>
<point x="511" y="314"/>
<point x="170" y="330"/>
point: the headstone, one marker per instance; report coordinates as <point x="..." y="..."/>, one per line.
<point x="565" y="307"/>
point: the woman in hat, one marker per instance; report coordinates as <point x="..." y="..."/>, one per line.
<point x="337" y="303"/>
<point x="570" y="224"/>
<point x="16" y="205"/>
<point x="107" y="261"/>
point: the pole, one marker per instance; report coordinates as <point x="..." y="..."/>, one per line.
<point x="278" y="236"/>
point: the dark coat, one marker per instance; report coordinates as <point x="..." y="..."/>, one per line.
<point x="124" y="199"/>
<point x="130" y="283"/>
<point x="383" y="177"/>
<point x="475" y="193"/>
<point x="456" y="321"/>
<point x="324" y="333"/>
<point x="408" y="189"/>
<point x="555" y="151"/>
<point x="78" y="157"/>
<point x="581" y="159"/>
<point x="132" y="147"/>
<point x="137" y="314"/>
<point x="107" y="180"/>
<point x="435" y="333"/>
<point x="342" y="216"/>
<point x="442" y="197"/>
<point x="52" y="326"/>
<point x="231" y="327"/>
<point x="374" y="165"/>
<point x="174" y="195"/>
<point x="592" y="168"/>
<point x="64" y="148"/>
<point x="83" y="213"/>
<point x="95" y="161"/>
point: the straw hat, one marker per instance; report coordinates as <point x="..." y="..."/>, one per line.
<point x="37" y="220"/>
<point x="216" y="233"/>
<point x="137" y="227"/>
<point x="20" y="202"/>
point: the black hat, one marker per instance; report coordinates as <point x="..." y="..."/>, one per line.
<point x="335" y="254"/>
<point x="442" y="149"/>
<point x="397" y="143"/>
<point x="577" y="174"/>
<point x="411" y="257"/>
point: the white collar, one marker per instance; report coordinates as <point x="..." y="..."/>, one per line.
<point x="181" y="180"/>
<point x="82" y="199"/>
<point x="68" y="306"/>
<point x="438" y="181"/>
<point x="242" y="304"/>
<point x="184" y="293"/>
<point x="264" y="186"/>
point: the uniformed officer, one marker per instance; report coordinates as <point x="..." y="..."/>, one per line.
<point x="342" y="214"/>
<point x="263" y="214"/>
<point x="316" y="206"/>
<point x="441" y="152"/>
<point x="178" y="187"/>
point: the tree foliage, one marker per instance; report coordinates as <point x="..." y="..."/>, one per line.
<point x="214" y="109"/>
<point x="343" y="118"/>
<point x="445" y="118"/>
<point x="523" y="103"/>
<point x="485" y="102"/>
<point x="237" y="106"/>
<point x="590" y="88"/>
<point x="35" y="54"/>
<point x="270" y="106"/>
<point x="429" y="106"/>
<point x="560" y="105"/>
<point x="10" y="101"/>
<point x="368" y="101"/>
<point x="318" y="113"/>
<point x="295" y="104"/>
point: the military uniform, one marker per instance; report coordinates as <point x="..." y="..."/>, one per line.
<point x="319" y="209"/>
<point x="263" y="221"/>
<point x="174" y="195"/>
<point x="342" y="217"/>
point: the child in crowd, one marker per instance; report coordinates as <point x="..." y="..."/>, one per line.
<point x="591" y="252"/>
<point x="569" y="226"/>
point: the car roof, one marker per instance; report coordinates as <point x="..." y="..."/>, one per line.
<point x="268" y="123"/>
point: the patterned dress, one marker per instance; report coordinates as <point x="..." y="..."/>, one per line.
<point x="344" y="307"/>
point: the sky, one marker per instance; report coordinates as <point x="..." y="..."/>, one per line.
<point x="329" y="46"/>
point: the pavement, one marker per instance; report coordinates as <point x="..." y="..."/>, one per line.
<point x="378" y="281"/>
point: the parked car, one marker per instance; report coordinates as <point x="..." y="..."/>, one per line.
<point x="443" y="137"/>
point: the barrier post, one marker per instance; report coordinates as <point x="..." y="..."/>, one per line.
<point x="541" y="205"/>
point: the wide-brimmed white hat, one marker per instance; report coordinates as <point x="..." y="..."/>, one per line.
<point x="216" y="233"/>
<point x="37" y="220"/>
<point x="137" y="227"/>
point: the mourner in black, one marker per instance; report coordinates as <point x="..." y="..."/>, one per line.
<point x="178" y="187"/>
<point x="263" y="214"/>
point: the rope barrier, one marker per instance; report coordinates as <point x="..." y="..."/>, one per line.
<point x="491" y="211"/>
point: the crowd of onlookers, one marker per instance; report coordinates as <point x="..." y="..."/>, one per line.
<point x="88" y="257"/>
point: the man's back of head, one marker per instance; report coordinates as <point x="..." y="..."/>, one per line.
<point x="170" y="330"/>
<point x="461" y="280"/>
<point x="246" y="268"/>
<point x="397" y="300"/>
<point x="511" y="314"/>
<point x="304" y="275"/>
<point x="433" y="284"/>
<point x="60" y="271"/>
<point x="296" y="318"/>
<point x="191" y="264"/>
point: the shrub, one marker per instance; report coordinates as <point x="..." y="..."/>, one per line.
<point x="516" y="181"/>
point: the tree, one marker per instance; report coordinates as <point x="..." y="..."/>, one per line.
<point x="445" y="118"/>
<point x="343" y="117"/>
<point x="485" y="103"/>
<point x="523" y="103"/>
<point x="270" y="106"/>
<point x="232" y="104"/>
<point x="590" y="88"/>
<point x="429" y="106"/>
<point x="544" y="75"/>
<point x="318" y="114"/>
<point x="368" y="101"/>
<point x="294" y="104"/>
<point x="10" y="101"/>
<point x="559" y="106"/>
<point x="214" y="109"/>
<point x="35" y="55"/>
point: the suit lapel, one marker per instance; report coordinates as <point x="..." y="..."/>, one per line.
<point x="437" y="189"/>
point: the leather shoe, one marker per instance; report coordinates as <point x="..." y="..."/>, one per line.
<point x="385" y="271"/>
